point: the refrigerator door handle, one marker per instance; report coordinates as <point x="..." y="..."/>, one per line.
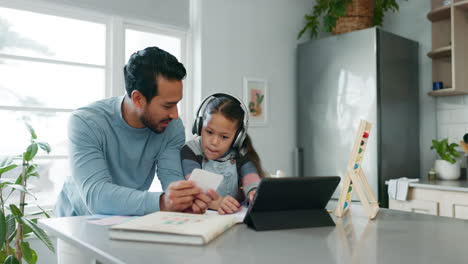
<point x="298" y="159"/>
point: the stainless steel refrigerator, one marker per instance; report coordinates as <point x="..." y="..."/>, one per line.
<point x="368" y="74"/>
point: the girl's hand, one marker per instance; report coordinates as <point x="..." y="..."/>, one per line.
<point x="252" y="195"/>
<point x="228" y="205"/>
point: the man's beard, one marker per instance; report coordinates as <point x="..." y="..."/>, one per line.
<point x="154" y="127"/>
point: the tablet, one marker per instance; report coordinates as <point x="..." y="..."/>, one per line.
<point x="291" y="202"/>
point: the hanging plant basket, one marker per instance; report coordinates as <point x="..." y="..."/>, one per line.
<point x="340" y="16"/>
<point x="359" y="15"/>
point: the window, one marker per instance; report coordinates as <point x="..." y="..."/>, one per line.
<point x="52" y="64"/>
<point x="137" y="38"/>
<point x="49" y="65"/>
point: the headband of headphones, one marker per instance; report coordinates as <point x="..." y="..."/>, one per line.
<point x="198" y="123"/>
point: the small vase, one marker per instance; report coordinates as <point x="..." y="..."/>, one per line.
<point x="446" y="170"/>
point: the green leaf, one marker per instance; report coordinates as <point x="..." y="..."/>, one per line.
<point x="44" y="146"/>
<point x="16" y="212"/>
<point x="21" y="188"/>
<point x="43" y="211"/>
<point x="445" y="151"/>
<point x="2" y="255"/>
<point x="31" y="171"/>
<point x="6" y="164"/>
<point x="251" y="107"/>
<point x="301" y="32"/>
<point x="329" y="23"/>
<point x="5" y="182"/>
<point x="11" y="260"/>
<point x="3" y="228"/>
<point x="19" y="179"/>
<point x="11" y="226"/>
<point x="31" y="152"/>
<point x="31" y="131"/>
<point x="260" y="99"/>
<point x="28" y="253"/>
<point x="27" y="229"/>
<point x="340" y="8"/>
<point x="39" y="233"/>
<point x="7" y="168"/>
<point x="5" y="161"/>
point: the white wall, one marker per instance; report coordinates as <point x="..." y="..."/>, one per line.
<point x="257" y="39"/>
<point x="170" y="12"/>
<point x="411" y="22"/>
<point x="452" y="118"/>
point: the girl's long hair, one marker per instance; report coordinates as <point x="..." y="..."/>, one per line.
<point x="232" y="110"/>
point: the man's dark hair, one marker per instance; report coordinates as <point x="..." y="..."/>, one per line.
<point x="145" y="66"/>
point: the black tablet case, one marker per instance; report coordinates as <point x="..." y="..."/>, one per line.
<point x="291" y="202"/>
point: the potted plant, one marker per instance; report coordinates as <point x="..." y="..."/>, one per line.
<point x="340" y="16"/>
<point x="447" y="166"/>
<point x="15" y="226"/>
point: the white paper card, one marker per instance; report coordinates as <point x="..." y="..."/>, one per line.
<point x="206" y="180"/>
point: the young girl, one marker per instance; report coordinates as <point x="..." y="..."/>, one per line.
<point x="224" y="147"/>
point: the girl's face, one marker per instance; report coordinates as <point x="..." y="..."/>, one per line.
<point x="217" y="135"/>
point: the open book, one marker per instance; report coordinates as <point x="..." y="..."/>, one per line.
<point x="171" y="227"/>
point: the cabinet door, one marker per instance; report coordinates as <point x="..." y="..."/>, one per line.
<point x="457" y="205"/>
<point x="416" y="206"/>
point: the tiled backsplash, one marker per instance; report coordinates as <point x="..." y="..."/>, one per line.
<point x="452" y="118"/>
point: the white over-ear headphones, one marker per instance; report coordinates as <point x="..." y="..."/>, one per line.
<point x="241" y="133"/>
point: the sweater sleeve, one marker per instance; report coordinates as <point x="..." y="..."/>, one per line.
<point x="249" y="175"/>
<point x="91" y="176"/>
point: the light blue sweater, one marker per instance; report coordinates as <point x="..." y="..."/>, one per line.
<point x="113" y="164"/>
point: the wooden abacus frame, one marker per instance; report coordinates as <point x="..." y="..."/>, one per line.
<point x="355" y="178"/>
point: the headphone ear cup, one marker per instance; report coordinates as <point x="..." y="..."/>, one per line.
<point x="239" y="139"/>
<point x="199" y="125"/>
<point x="196" y="125"/>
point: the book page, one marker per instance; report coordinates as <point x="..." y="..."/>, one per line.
<point x="239" y="216"/>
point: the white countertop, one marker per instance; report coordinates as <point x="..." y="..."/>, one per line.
<point x="458" y="185"/>
<point x="393" y="237"/>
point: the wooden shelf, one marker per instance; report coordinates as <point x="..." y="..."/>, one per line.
<point x="438" y="14"/>
<point x="449" y="41"/>
<point x="462" y="4"/>
<point x="442" y="52"/>
<point x="446" y="92"/>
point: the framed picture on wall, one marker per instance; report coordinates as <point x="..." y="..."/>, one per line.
<point x="256" y="99"/>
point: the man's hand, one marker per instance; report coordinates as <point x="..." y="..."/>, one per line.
<point x="179" y="196"/>
<point x="202" y="201"/>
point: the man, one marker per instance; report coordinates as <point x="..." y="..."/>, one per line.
<point x="118" y="144"/>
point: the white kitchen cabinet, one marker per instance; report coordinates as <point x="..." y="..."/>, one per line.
<point x="441" y="202"/>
